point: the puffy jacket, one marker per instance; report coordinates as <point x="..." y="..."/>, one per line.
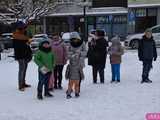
<point x="21" y="48"/>
<point x="97" y="52"/>
<point x="147" y="49"/>
<point x="60" y="52"/>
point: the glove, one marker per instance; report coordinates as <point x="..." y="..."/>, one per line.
<point x="44" y="70"/>
<point x="155" y="59"/>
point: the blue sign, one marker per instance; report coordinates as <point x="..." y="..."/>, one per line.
<point x="131" y="16"/>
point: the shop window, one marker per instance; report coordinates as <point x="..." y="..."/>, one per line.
<point x="152" y="12"/>
<point x="90" y="20"/>
<point x="101" y="20"/>
<point x="120" y="19"/>
<point x="141" y="12"/>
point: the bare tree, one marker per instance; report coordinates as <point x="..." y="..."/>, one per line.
<point x="27" y="10"/>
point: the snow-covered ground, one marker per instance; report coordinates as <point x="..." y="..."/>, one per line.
<point x="128" y="100"/>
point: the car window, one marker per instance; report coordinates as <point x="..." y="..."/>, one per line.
<point x="156" y="30"/>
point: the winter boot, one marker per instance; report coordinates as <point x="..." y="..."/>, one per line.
<point x="48" y="94"/>
<point x="118" y="81"/>
<point x="112" y="81"/>
<point x="68" y="96"/>
<point x="21" y="88"/>
<point x="60" y="87"/>
<point x="39" y="97"/>
<point x="27" y="85"/>
<point x="148" y="80"/>
<point x="76" y="95"/>
<point x="55" y="87"/>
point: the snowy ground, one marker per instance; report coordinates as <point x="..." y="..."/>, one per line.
<point x="128" y="100"/>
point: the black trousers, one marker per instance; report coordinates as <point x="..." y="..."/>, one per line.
<point x="98" y="69"/>
<point x="58" y="75"/>
<point x="23" y="63"/>
<point x="147" y="65"/>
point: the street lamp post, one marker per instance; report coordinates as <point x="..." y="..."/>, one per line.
<point x="85" y="21"/>
<point x="85" y="4"/>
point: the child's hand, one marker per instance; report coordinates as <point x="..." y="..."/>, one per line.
<point x="44" y="70"/>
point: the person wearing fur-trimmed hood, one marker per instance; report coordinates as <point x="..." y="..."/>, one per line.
<point x="76" y="55"/>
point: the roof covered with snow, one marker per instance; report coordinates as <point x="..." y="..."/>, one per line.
<point x="71" y="9"/>
<point x="75" y="9"/>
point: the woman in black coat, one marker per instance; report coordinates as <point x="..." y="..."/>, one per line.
<point x="97" y="55"/>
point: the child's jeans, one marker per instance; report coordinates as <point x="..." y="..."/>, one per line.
<point x="115" y="71"/>
<point x="43" y="81"/>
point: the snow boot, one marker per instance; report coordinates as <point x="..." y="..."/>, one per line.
<point x="148" y="81"/>
<point x="21" y="88"/>
<point x="39" y="97"/>
<point x="55" y="87"/>
<point x="48" y="95"/>
<point x="68" y="96"/>
<point x="118" y="81"/>
<point x="26" y="85"/>
<point x="112" y="81"/>
<point x="76" y="95"/>
<point x="60" y="87"/>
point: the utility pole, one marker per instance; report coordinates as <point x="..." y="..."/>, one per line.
<point x="85" y="21"/>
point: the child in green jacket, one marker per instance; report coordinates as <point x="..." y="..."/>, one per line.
<point x="44" y="58"/>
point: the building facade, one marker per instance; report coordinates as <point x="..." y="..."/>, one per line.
<point x="69" y="17"/>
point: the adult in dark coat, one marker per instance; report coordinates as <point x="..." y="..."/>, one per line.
<point x="22" y="53"/>
<point x="97" y="55"/>
<point x="147" y="53"/>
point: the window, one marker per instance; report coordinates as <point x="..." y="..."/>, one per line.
<point x="141" y="12"/>
<point x="152" y="12"/>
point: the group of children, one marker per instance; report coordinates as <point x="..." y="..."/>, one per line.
<point x="48" y="60"/>
<point x="51" y="58"/>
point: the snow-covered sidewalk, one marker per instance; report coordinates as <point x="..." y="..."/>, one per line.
<point x="128" y="100"/>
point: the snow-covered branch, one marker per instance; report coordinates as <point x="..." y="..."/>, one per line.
<point x="29" y="9"/>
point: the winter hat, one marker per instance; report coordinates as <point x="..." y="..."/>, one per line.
<point x="115" y="40"/>
<point x="148" y="30"/>
<point x="41" y="44"/>
<point x="44" y="49"/>
<point x="20" y="25"/>
<point x="75" y="39"/>
<point x="100" y="33"/>
<point x="75" y="35"/>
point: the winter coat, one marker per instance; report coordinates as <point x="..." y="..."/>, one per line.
<point x="97" y="52"/>
<point x="42" y="59"/>
<point x="74" y="73"/>
<point x="115" y="51"/>
<point x="81" y="50"/>
<point x="60" y="52"/>
<point x="147" y="49"/>
<point x="76" y="56"/>
<point x="21" y="48"/>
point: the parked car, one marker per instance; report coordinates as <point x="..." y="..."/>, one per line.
<point x="6" y="40"/>
<point x="132" y="40"/>
<point x="37" y="39"/>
